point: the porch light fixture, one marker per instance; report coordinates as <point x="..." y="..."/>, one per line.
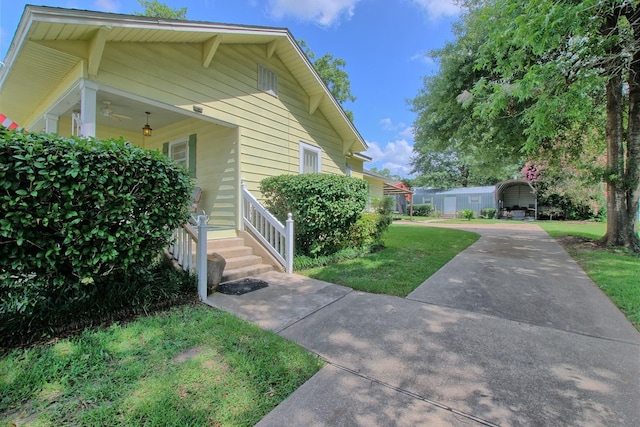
<point x="146" y="130"/>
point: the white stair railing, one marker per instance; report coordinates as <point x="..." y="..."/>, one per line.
<point x="275" y="236"/>
<point x="189" y="249"/>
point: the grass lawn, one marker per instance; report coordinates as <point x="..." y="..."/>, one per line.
<point x="189" y="366"/>
<point x="412" y="253"/>
<point x="589" y="230"/>
<point x="615" y="271"/>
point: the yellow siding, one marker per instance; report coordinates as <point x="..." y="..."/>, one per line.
<point x="215" y="166"/>
<point x="267" y="129"/>
<point x="271" y="127"/>
<point x="357" y="167"/>
<point x="376" y="188"/>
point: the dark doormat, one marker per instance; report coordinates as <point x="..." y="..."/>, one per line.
<point x="242" y="286"/>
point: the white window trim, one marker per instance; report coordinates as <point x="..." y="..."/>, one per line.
<point x="172" y="144"/>
<point x="304" y="146"/>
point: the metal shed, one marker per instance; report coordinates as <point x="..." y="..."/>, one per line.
<point x="516" y="199"/>
<point x="452" y="201"/>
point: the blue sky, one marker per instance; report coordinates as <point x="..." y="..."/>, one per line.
<point x="383" y="42"/>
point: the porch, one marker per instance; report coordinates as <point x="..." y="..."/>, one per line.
<point x="263" y="244"/>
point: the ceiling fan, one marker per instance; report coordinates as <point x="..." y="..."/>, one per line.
<point x="108" y="112"/>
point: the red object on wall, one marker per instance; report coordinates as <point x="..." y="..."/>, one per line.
<point x="8" y="123"/>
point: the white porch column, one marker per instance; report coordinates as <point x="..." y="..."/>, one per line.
<point x="51" y="123"/>
<point x="88" y="107"/>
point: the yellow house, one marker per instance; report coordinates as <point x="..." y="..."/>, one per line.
<point x="232" y="103"/>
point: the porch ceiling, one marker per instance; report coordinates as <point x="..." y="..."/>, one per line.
<point x="126" y="113"/>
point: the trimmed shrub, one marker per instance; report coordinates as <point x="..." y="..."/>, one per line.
<point x="384" y="205"/>
<point x="367" y="231"/>
<point x="324" y="207"/>
<point x="467" y="214"/>
<point x="79" y="210"/>
<point x="489" y="213"/>
<point x="423" y="210"/>
<point x="81" y="218"/>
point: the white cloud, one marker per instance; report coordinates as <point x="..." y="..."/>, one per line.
<point x="325" y="13"/>
<point x="400" y="128"/>
<point x="424" y="58"/>
<point x="436" y="9"/>
<point x="107" y="5"/>
<point x="407" y="133"/>
<point x="388" y="124"/>
<point x="394" y="156"/>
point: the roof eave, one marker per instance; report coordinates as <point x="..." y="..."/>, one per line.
<point x="86" y="17"/>
<point x="321" y="82"/>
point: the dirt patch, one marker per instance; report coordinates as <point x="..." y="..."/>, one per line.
<point x="577" y="243"/>
<point x="187" y="354"/>
<point x="474" y="226"/>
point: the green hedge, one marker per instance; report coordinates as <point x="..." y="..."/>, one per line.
<point x="489" y="213"/>
<point x="76" y="210"/>
<point x="79" y="212"/>
<point x="368" y="230"/>
<point x="324" y="208"/>
<point x="423" y="210"/>
<point x="467" y="214"/>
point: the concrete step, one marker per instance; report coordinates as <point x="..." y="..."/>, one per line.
<point x="242" y="261"/>
<point x="233" y="252"/>
<point x="241" y="273"/>
<point x="216" y="245"/>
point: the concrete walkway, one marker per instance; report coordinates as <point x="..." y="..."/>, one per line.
<point x="511" y="332"/>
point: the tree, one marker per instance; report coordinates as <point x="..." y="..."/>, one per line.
<point x="386" y="173"/>
<point x="161" y="10"/>
<point x="452" y="146"/>
<point x="331" y="71"/>
<point x="563" y="71"/>
<point x="565" y="58"/>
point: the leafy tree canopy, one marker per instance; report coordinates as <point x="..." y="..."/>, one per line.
<point x="161" y="10"/>
<point x="386" y="173"/>
<point x="452" y="147"/>
<point x="546" y="78"/>
<point x="332" y="73"/>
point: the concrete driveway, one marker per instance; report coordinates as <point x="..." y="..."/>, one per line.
<point x="510" y="332"/>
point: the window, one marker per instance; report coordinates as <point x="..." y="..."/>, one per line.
<point x="183" y="152"/>
<point x="310" y="158"/>
<point x="179" y="152"/>
<point x="267" y="80"/>
<point x="427" y="200"/>
<point x="349" y="169"/>
<point x="474" y="199"/>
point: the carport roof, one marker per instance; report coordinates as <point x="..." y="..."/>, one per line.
<point x="390" y="189"/>
<point x="511" y="182"/>
<point x="454" y="191"/>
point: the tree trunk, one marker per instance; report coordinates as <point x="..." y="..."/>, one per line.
<point x="632" y="175"/>
<point x="616" y="196"/>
